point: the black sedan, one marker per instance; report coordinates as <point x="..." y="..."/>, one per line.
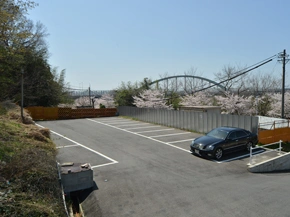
<point x="223" y="140"/>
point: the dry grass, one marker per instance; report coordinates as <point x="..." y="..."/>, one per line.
<point x="28" y="175"/>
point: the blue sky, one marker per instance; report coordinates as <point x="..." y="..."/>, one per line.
<point x="102" y="43"/>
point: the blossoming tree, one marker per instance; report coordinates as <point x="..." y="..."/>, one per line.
<point x="151" y="99"/>
<point x="202" y="98"/>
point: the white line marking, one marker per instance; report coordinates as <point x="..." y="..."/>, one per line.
<point x="102" y="165"/>
<point x="108" y="158"/>
<point x="115" y="119"/>
<point x="132" y="125"/>
<point x="181" y="140"/>
<point x="174" y="134"/>
<point x="119" y="122"/>
<point x="141" y="127"/>
<point x="66" y="146"/>
<point x="151" y="131"/>
<point x="141" y="135"/>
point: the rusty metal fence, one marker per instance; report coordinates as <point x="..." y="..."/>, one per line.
<point x="274" y="131"/>
<point x="55" y="113"/>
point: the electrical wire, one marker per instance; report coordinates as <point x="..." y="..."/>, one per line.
<point x="241" y="72"/>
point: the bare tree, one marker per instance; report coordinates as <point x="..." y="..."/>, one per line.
<point x="260" y="84"/>
<point x="229" y="80"/>
<point x="192" y="84"/>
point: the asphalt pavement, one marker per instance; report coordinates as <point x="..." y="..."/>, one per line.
<point x="143" y="170"/>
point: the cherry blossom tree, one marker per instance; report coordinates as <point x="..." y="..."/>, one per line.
<point x="106" y="100"/>
<point x="276" y="105"/>
<point x="202" y="98"/>
<point x="236" y="104"/>
<point x="151" y="99"/>
<point x="82" y="101"/>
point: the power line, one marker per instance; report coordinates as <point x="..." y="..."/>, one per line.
<point x="248" y="69"/>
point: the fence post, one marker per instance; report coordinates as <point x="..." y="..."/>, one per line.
<point x="280" y="146"/>
<point x="250" y="163"/>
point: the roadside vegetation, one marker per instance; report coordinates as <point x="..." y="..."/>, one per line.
<point x="28" y="175"/>
<point x="24" y="54"/>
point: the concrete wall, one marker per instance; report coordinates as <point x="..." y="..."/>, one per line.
<point x="280" y="163"/>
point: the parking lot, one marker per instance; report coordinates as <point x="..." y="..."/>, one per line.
<point x="143" y="169"/>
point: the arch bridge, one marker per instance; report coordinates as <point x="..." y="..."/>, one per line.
<point x="185" y="83"/>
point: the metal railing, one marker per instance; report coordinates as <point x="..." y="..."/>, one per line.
<point x="251" y="150"/>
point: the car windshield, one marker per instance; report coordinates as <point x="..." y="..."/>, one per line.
<point x="218" y="133"/>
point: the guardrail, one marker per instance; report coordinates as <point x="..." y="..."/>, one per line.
<point x="251" y="150"/>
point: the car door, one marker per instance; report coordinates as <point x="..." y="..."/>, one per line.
<point x="231" y="143"/>
<point x="242" y="138"/>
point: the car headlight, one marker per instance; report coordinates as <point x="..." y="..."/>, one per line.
<point x="209" y="147"/>
<point x="192" y="142"/>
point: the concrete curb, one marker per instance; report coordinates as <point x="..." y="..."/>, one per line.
<point x="279" y="163"/>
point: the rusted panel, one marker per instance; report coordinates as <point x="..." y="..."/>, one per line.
<point x="50" y="113"/>
<point x="54" y="113"/>
<point x="43" y="113"/>
<point x="64" y="113"/>
<point x="270" y="136"/>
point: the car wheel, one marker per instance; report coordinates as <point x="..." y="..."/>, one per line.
<point x="218" y="154"/>
<point x="249" y="145"/>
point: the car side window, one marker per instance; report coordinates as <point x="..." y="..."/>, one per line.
<point x="241" y="134"/>
<point x="232" y="135"/>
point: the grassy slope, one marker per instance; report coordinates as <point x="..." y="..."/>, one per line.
<point x="28" y="175"/>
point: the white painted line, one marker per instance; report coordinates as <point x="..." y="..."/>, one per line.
<point x="119" y="122"/>
<point x="66" y="146"/>
<point x="235" y="158"/>
<point x="150" y="131"/>
<point x="174" y="134"/>
<point x="181" y="140"/>
<point x="142" y="127"/>
<point x="112" y="119"/>
<point x="102" y="165"/>
<point x="92" y="150"/>
<point x="128" y="125"/>
<point x="104" y="156"/>
<point x="182" y="149"/>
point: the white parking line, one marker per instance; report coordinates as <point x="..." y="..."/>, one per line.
<point x="113" y="119"/>
<point x="150" y="131"/>
<point x="174" y="134"/>
<point x="119" y="122"/>
<point x="92" y="150"/>
<point x="181" y="140"/>
<point x="142" y="127"/>
<point x="182" y="149"/>
<point x="66" y="146"/>
<point x="102" y="165"/>
<point x="128" y="125"/>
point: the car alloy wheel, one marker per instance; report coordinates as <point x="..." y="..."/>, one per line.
<point x="249" y="145"/>
<point x="218" y="153"/>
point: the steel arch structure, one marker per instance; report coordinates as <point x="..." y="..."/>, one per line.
<point x="185" y="77"/>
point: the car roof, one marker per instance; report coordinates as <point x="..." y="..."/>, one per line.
<point x="229" y="129"/>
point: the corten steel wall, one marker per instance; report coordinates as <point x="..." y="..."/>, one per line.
<point x="43" y="113"/>
<point x="55" y="113"/>
<point x="201" y="122"/>
<point x="274" y="135"/>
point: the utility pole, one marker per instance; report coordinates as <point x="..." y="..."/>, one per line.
<point x="283" y="57"/>
<point x="22" y="72"/>
<point x="90" y="95"/>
